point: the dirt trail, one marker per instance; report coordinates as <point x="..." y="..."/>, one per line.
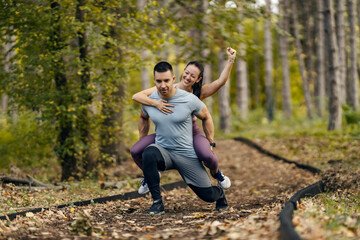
<point x="260" y="186"/>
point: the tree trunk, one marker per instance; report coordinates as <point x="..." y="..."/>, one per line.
<point x="65" y="147"/>
<point x="353" y="75"/>
<point x="320" y="86"/>
<point x="145" y="77"/>
<point x="268" y="65"/>
<point x="256" y="85"/>
<point x="309" y="23"/>
<point x="286" y="91"/>
<point x="299" y="53"/>
<point x="4" y="104"/>
<point x="334" y="74"/>
<point x="224" y="100"/>
<point x="83" y="123"/>
<point x="205" y="54"/>
<point x="242" y="86"/>
<point x="9" y="53"/>
<point x="341" y="48"/>
<point x="112" y="146"/>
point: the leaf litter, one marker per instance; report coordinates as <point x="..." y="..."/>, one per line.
<point x="260" y="187"/>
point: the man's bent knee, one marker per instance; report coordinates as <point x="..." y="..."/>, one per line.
<point x="152" y="154"/>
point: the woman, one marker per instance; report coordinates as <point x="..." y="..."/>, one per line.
<point x="191" y="81"/>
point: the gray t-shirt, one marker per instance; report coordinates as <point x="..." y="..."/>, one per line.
<point x="174" y="130"/>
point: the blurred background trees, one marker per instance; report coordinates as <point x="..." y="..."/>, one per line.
<point x="69" y="68"/>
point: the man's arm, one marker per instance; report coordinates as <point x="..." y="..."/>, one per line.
<point x="143" y="125"/>
<point x="208" y="124"/>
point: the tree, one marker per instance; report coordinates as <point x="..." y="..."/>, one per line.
<point x="268" y="64"/>
<point x="9" y="53"/>
<point x="334" y="74"/>
<point x="65" y="147"/>
<point x="145" y="83"/>
<point x="256" y="63"/>
<point x="320" y="86"/>
<point x="205" y="52"/>
<point x="299" y="53"/>
<point x="353" y="76"/>
<point x="224" y="99"/>
<point x="286" y="93"/>
<point x="242" y="86"/>
<point x="341" y="39"/>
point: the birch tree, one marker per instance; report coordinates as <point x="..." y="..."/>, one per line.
<point x="320" y="83"/>
<point x="205" y="54"/>
<point x="334" y="74"/>
<point x="285" y="91"/>
<point x="224" y="99"/>
<point x="340" y="27"/>
<point x="268" y="64"/>
<point x="256" y="63"/>
<point x="9" y="53"/>
<point x="242" y="86"/>
<point x="145" y="83"/>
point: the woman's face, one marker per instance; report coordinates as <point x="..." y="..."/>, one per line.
<point x="191" y="75"/>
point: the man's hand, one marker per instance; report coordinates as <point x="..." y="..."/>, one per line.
<point x="163" y="106"/>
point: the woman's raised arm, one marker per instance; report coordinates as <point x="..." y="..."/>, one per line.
<point x="208" y="90"/>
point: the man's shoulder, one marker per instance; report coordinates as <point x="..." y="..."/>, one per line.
<point x="184" y="93"/>
<point x="154" y="95"/>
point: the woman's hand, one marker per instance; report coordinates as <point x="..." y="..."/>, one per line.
<point x="163" y="106"/>
<point x="231" y="54"/>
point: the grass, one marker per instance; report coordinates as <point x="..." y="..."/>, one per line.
<point x="335" y="215"/>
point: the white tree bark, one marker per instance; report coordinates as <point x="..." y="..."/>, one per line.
<point x="242" y="86"/>
<point x="285" y="91"/>
<point x="145" y="77"/>
<point x="256" y="85"/>
<point x="207" y="66"/>
<point x="334" y="74"/>
<point x="320" y="89"/>
<point x="268" y="65"/>
<point x="353" y="75"/>
<point x="224" y="99"/>
<point x="9" y="53"/>
<point x="341" y="48"/>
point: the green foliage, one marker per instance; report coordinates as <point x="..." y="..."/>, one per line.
<point x="77" y="87"/>
<point x="351" y="117"/>
<point x="257" y="124"/>
<point x="26" y="142"/>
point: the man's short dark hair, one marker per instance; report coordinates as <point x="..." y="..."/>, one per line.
<point x="163" y="67"/>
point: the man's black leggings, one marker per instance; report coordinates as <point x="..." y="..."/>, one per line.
<point x="154" y="161"/>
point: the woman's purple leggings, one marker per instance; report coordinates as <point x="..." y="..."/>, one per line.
<point x="201" y="146"/>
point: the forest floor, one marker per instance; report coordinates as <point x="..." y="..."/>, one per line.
<point x="260" y="187"/>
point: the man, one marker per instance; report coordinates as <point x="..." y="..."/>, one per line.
<point x="173" y="148"/>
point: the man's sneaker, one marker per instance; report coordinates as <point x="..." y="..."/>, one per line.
<point x="221" y="204"/>
<point x="144" y="188"/>
<point x="224" y="181"/>
<point x="157" y="208"/>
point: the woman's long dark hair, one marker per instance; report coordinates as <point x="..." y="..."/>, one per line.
<point x="197" y="86"/>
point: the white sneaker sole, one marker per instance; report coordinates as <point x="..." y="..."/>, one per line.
<point x="226" y="183"/>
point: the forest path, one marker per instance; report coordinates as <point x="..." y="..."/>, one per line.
<point x="260" y="187"/>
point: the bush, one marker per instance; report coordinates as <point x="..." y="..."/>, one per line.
<point x="26" y="141"/>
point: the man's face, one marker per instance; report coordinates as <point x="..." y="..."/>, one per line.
<point x="164" y="82"/>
